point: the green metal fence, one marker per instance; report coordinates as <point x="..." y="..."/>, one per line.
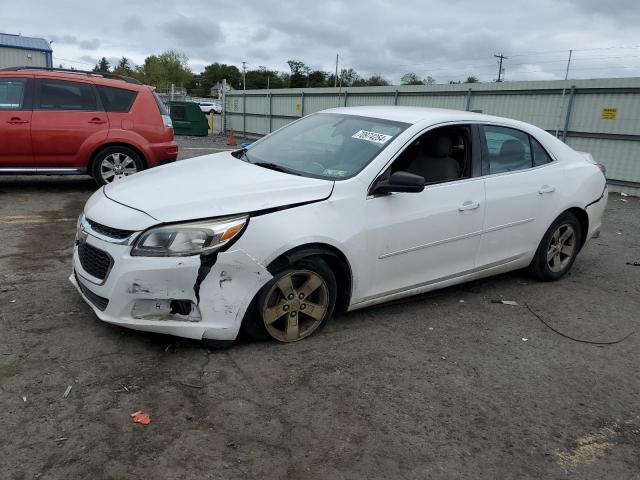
<point x="600" y="116"/>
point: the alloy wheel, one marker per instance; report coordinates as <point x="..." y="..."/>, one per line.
<point x="562" y="247"/>
<point x="116" y="166"/>
<point x="295" y="306"/>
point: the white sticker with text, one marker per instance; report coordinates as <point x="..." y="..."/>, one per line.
<point x="372" y="136"/>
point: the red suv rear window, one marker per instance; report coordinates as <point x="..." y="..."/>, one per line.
<point x="161" y="105"/>
<point x="116" y="99"/>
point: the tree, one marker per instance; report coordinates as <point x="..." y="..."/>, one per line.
<point x="299" y="74"/>
<point x="123" y="67"/>
<point x="472" y="79"/>
<point x="411" y="79"/>
<point x="317" y="78"/>
<point x="348" y="77"/>
<point x="102" y="66"/>
<point x="263" y="78"/>
<point x="166" y="69"/>
<point x="376" y="81"/>
<point x="216" y="73"/>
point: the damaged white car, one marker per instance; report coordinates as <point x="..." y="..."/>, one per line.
<point x="339" y="210"/>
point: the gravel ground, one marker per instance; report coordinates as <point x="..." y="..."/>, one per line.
<point x="444" y="385"/>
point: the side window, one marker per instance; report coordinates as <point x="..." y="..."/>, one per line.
<point x="117" y="100"/>
<point x="540" y="155"/>
<point x="178" y="112"/>
<point x="440" y="155"/>
<point x="508" y="149"/>
<point x="63" y="95"/>
<point x="12" y="93"/>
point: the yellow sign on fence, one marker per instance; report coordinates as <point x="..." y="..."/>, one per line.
<point x="609" y="113"/>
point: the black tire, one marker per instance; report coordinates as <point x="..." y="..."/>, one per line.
<point x="549" y="270"/>
<point x="254" y="325"/>
<point x="97" y="170"/>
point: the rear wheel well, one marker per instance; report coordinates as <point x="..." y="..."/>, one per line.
<point x="336" y="260"/>
<point x="115" y="144"/>
<point x="583" y="220"/>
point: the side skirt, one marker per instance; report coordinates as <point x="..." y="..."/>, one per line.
<point x="510" y="264"/>
<point x="42" y="171"/>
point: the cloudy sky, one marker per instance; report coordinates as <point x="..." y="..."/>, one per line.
<point x="447" y="40"/>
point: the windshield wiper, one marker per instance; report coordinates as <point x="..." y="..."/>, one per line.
<point x="273" y="166"/>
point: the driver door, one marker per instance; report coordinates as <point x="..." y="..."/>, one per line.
<point x="418" y="239"/>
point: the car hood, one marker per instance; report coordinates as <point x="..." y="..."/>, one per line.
<point x="211" y="186"/>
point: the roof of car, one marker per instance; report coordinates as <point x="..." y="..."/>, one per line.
<point x="96" y="77"/>
<point x="418" y="114"/>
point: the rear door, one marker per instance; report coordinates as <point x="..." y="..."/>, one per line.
<point x="68" y="122"/>
<point x="520" y="181"/>
<point x="15" y="122"/>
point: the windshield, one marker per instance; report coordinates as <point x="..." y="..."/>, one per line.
<point x="326" y="145"/>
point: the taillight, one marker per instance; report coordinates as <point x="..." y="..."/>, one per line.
<point x="166" y="119"/>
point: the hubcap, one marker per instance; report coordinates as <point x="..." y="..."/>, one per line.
<point x="561" y="248"/>
<point x="116" y="166"/>
<point x="296" y="305"/>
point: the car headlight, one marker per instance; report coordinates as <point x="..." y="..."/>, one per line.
<point x="188" y="238"/>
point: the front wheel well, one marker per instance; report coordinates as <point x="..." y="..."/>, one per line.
<point x="336" y="260"/>
<point x="114" y="144"/>
<point x="583" y="220"/>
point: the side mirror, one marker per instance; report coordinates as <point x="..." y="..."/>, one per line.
<point x="399" y="182"/>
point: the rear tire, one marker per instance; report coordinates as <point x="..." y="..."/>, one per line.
<point x="558" y="249"/>
<point x="113" y="163"/>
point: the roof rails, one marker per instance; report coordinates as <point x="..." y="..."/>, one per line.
<point x="81" y="72"/>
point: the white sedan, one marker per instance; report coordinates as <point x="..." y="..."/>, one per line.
<point x="339" y="210"/>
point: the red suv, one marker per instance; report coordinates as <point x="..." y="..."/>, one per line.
<point x="57" y="122"/>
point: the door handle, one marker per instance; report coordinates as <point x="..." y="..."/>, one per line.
<point x="468" y="205"/>
<point x="546" y="189"/>
<point x="17" y="120"/>
<point x="97" y="120"/>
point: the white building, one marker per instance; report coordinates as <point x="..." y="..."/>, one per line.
<point x="19" y="51"/>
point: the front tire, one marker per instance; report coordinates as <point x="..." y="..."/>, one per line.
<point x="558" y="249"/>
<point x="114" y="163"/>
<point x="297" y="302"/>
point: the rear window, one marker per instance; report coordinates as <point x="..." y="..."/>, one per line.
<point x="161" y="106"/>
<point x="116" y="99"/>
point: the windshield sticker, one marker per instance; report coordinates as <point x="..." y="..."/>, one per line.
<point x="335" y="173"/>
<point x="372" y="136"/>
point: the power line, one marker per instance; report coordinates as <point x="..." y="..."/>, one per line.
<point x="72" y="61"/>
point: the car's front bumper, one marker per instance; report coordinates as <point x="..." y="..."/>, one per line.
<point x="137" y="291"/>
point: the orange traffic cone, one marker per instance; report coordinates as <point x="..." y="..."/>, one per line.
<point x="232" y="139"/>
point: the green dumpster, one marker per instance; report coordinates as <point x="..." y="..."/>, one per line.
<point x="188" y="119"/>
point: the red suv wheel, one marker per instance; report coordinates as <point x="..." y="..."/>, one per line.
<point x="114" y="163"/>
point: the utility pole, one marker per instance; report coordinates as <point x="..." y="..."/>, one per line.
<point x="566" y="75"/>
<point x="501" y="57"/>
<point x="244" y="80"/>
<point x="335" y="79"/>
